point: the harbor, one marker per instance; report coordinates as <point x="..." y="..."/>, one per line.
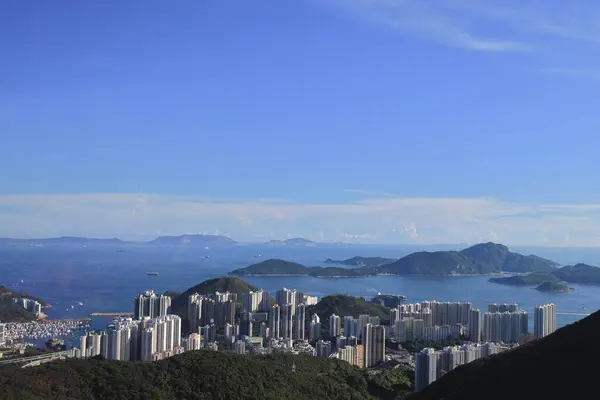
<point x="45" y="329"/>
<point x="111" y="314"/>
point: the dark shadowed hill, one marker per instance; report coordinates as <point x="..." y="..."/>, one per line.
<point x="559" y="366"/>
<point x="202" y="375"/>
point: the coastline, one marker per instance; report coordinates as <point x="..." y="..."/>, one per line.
<point x="371" y="275"/>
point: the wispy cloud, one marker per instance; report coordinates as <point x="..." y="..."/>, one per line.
<point x="483" y="25"/>
<point x="367" y="192"/>
<point x="369" y="220"/>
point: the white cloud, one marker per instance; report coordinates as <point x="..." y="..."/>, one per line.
<point x="386" y="219"/>
<point x="483" y="25"/>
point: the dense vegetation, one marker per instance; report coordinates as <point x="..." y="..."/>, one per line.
<point x="498" y="256"/>
<point x="530" y="280"/>
<point x="553" y="287"/>
<point x="203" y="375"/>
<point x="282" y="267"/>
<point x="11" y="313"/>
<point x="555" y="367"/>
<point x="362" y="261"/>
<point x="483" y="258"/>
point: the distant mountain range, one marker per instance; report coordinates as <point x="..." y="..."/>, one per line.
<point x="299" y="242"/>
<point x="189" y="240"/>
<point x="61" y="241"/>
<point x="480" y="259"/>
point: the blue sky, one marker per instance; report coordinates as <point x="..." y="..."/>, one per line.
<point x="373" y="121"/>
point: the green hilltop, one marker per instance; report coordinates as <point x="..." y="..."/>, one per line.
<point x="203" y="375"/>
<point x="289" y="268"/>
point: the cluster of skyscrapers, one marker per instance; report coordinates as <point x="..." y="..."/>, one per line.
<point x="2" y="334"/>
<point x="502" y="323"/>
<point x="148" y="339"/>
<point x="432" y="364"/>
<point x="149" y="304"/>
<point x="32" y="306"/>
<point x="436" y="321"/>
<point x="281" y="323"/>
<point x="256" y="323"/>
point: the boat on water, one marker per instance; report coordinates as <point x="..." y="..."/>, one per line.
<point x="256" y="255"/>
<point x="206" y="257"/>
<point x="152" y="273"/>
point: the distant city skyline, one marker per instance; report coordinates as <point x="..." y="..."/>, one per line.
<point x="383" y="121"/>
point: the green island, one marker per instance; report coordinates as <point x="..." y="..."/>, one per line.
<point x="480" y="259"/>
<point x="579" y="273"/>
<point x="530" y="280"/>
<point x="555" y="287"/>
<point x="558" y="360"/>
<point x="276" y="267"/>
<point x="359" y="261"/>
<point x="204" y="374"/>
<point x="12" y="313"/>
